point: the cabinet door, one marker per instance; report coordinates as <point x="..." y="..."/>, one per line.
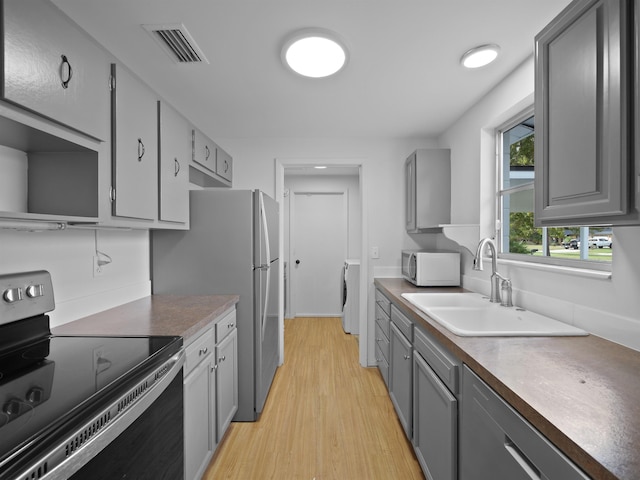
<point x="435" y="423"/>
<point x="582" y="114"/>
<point x="196" y="421"/>
<point x="227" y="382"/>
<point x="204" y="150"/>
<point x="400" y="377"/>
<point x="53" y="68"/>
<point x="175" y="149"/>
<point x="224" y="164"/>
<point x="135" y="147"/>
<point x="410" y="192"/>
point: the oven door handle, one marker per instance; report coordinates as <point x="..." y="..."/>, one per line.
<point x="77" y="449"/>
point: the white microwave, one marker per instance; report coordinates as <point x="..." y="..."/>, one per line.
<point x="431" y="268"/>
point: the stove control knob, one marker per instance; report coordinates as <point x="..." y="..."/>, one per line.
<point x="34" y="291"/>
<point x="12" y="408"/>
<point x="35" y="395"/>
<point x="12" y="295"/>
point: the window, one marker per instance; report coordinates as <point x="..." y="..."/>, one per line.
<point x="518" y="237"/>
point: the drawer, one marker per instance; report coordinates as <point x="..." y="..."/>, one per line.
<point x="382" y="342"/>
<point x="382" y="319"/>
<point x="225" y="325"/>
<point x="198" y="350"/>
<point x="402" y="322"/>
<point x="383" y="366"/>
<point x="384" y="302"/>
<point x="443" y="363"/>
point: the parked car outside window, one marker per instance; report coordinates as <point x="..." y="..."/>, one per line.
<point x="599" y="242"/>
<point x="573" y="244"/>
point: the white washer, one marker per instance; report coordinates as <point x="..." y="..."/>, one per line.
<point x="351" y="296"/>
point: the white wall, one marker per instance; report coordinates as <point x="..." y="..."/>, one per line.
<point x="606" y="307"/>
<point x="68" y="256"/>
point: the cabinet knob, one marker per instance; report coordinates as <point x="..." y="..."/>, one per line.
<point x="407" y="357"/>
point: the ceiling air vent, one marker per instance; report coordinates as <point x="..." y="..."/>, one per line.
<point x="177" y="42"/>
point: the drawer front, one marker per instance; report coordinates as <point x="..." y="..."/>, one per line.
<point x="402" y="322"/>
<point x="225" y="326"/>
<point x="382" y="319"/>
<point x="383" y="365"/>
<point x="198" y="350"/>
<point x="382" y="342"/>
<point x="384" y="302"/>
<point x="442" y="362"/>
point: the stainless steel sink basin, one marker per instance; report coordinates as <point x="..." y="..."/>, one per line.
<point x="472" y="315"/>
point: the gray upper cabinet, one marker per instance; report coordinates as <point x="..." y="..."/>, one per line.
<point x="427" y="190"/>
<point x="204" y="150"/>
<point x="175" y="150"/>
<point x="224" y="164"/>
<point x="134" y="113"/>
<point x="584" y="160"/>
<point x="53" y="68"/>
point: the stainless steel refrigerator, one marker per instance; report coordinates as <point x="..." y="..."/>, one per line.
<point x="231" y="248"/>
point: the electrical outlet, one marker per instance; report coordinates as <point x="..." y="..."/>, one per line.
<point x="97" y="268"/>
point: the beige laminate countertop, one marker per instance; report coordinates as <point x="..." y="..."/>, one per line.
<point x="582" y="393"/>
<point x="175" y="315"/>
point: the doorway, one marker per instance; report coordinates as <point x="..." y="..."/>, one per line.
<point x="341" y="175"/>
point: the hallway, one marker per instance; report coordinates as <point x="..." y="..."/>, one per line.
<point x="326" y="417"/>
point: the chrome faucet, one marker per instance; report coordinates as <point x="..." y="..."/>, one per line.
<point x="498" y="282"/>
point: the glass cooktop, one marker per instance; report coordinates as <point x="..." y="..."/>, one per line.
<point x="51" y="381"/>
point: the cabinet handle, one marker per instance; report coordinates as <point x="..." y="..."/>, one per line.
<point x="223" y="358"/>
<point x="207" y="152"/>
<point x="140" y="149"/>
<point x="226" y="166"/>
<point x="527" y="466"/>
<point x="214" y="368"/>
<point x="203" y="351"/>
<point x="407" y="357"/>
<point x="65" y="73"/>
<point x="176" y="165"/>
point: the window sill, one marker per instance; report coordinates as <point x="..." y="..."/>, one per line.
<point x="575" y="271"/>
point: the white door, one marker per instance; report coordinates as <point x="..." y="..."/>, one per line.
<point x="318" y="251"/>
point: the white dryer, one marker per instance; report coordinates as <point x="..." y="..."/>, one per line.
<point x="351" y="296"/>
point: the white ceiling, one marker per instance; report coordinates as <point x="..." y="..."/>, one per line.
<point x="403" y="78"/>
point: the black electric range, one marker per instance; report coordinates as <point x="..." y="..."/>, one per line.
<point x="50" y="384"/>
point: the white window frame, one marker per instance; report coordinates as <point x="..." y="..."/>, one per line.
<point x="564" y="263"/>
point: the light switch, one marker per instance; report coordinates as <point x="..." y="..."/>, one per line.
<point x="375" y="253"/>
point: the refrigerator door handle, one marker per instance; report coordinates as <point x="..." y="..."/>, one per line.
<point x="265" y="228"/>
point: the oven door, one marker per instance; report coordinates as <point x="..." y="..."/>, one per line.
<point x="136" y="432"/>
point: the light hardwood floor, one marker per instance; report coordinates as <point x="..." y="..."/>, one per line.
<point x="326" y="417"/>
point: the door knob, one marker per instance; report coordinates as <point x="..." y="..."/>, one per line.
<point x="297" y="262"/>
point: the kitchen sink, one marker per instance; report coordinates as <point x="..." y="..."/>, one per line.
<point x="472" y="315"/>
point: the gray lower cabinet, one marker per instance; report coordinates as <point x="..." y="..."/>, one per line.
<point x="199" y="409"/>
<point x="383" y="312"/>
<point x="496" y="442"/>
<point x="210" y="392"/>
<point x="226" y="382"/>
<point x="401" y="369"/>
<point x="435" y="408"/>
<point x="584" y="167"/>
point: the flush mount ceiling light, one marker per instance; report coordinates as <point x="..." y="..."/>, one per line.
<point x="480" y="56"/>
<point x="315" y="53"/>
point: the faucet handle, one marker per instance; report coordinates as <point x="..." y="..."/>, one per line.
<point x="505" y="293"/>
